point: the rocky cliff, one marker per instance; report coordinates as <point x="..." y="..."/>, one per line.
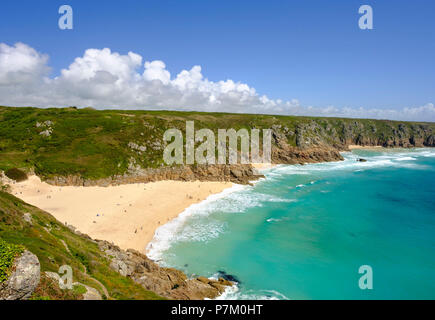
<point x="90" y="147"/>
<point x="237" y="173"/>
<point x="167" y="282"/>
<point x="317" y="140"/>
<point x="320" y="140"/>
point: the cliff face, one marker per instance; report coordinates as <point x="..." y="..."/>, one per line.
<point x="88" y="147"/>
<point x="321" y="140"/>
<point x="317" y="140"/>
<point x="167" y="282"/>
<point x="238" y="173"/>
<point x="344" y="132"/>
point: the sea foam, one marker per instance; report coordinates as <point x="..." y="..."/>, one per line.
<point x="170" y="232"/>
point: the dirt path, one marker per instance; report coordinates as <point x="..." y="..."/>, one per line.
<point x="92" y="294"/>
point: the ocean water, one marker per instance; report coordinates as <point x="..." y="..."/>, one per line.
<point x="304" y="231"/>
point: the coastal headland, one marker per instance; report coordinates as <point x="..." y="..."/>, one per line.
<point x="102" y="174"/>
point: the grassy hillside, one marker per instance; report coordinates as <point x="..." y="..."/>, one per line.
<point x="55" y="245"/>
<point x="97" y="144"/>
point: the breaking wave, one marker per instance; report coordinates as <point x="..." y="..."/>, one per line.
<point x="234" y="293"/>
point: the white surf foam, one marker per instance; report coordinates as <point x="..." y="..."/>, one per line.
<point x="237" y="201"/>
<point x="234" y="293"/>
<point x="391" y="158"/>
<point x="167" y="233"/>
<point x="406" y="159"/>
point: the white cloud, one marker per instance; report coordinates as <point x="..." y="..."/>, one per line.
<point x="21" y="64"/>
<point x="106" y="79"/>
<point x="156" y="70"/>
<point x="87" y="67"/>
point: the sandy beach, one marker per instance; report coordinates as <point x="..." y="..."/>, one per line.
<point x="263" y="166"/>
<point x="126" y="215"/>
<point x="353" y="146"/>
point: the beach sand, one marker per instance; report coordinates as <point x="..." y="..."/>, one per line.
<point x="126" y="215"/>
<point x="352" y="147"/>
<point x="263" y="166"/>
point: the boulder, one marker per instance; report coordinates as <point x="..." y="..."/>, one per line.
<point x="28" y="217"/>
<point x="23" y="280"/>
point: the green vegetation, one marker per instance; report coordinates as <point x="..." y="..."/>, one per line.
<point x="99" y="144"/>
<point x="55" y="245"/>
<point x="48" y="289"/>
<point x="79" y="289"/>
<point x="95" y="144"/>
<point x="8" y="253"/>
<point x="16" y="174"/>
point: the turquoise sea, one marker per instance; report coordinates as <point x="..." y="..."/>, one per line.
<point x="304" y="231"/>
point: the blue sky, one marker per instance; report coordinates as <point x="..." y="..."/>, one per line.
<point x="312" y="51"/>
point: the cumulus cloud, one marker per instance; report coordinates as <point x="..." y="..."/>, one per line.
<point x="106" y="79"/>
<point x="156" y="70"/>
<point x="21" y="64"/>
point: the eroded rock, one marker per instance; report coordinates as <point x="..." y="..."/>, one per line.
<point x="23" y="280"/>
<point x="167" y="282"/>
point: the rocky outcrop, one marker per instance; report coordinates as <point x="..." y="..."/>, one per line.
<point x="322" y="140"/>
<point x="28" y="218"/>
<point x="167" y="282"/>
<point x="24" y="278"/>
<point x="292" y="155"/>
<point x="238" y="173"/>
<point x="295" y="142"/>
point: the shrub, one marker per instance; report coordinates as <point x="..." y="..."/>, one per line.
<point x="16" y="174"/>
<point x="79" y="289"/>
<point x="8" y="253"/>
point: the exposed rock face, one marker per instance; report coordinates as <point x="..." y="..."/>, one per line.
<point x="309" y="141"/>
<point x="322" y="140"/>
<point x="167" y="282"/>
<point x="23" y="280"/>
<point x="134" y="146"/>
<point x="430" y="141"/>
<point x="292" y="155"/>
<point x="338" y="134"/>
<point x="46" y="127"/>
<point x="238" y="173"/>
<point x="27" y="217"/>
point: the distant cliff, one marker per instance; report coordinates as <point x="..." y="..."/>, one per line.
<point x="321" y="139"/>
<point x="73" y="146"/>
